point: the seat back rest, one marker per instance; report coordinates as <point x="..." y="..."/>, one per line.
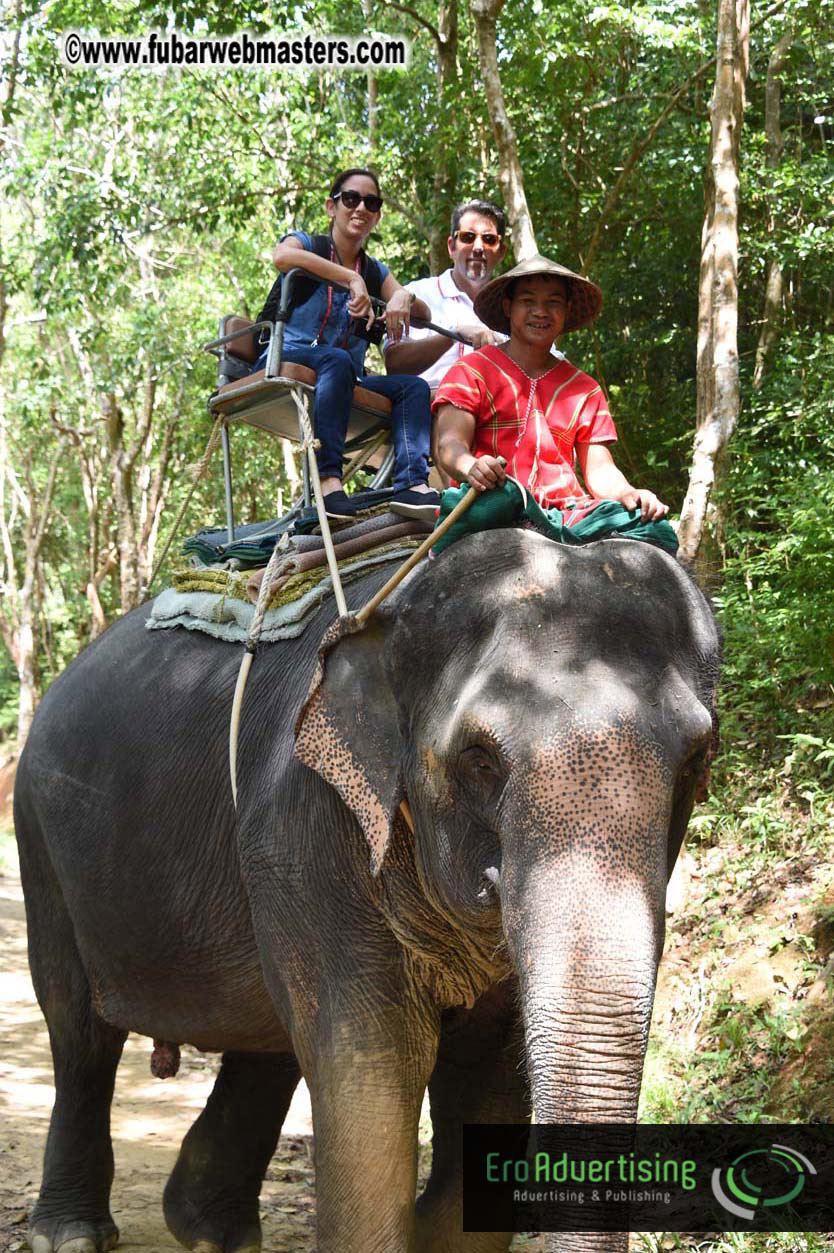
<point x="239" y="355"/>
<point x="245" y="345"/>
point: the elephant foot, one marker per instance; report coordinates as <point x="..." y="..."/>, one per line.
<point x="207" y="1246"/>
<point x="439" y="1229"/>
<point x="211" y="1199"/>
<point x="61" y="1236"/>
<point x="212" y="1224"/>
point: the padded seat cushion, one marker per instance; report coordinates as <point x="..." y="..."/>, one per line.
<point x="298" y="374"/>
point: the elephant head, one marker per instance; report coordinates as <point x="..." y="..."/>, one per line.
<point x="547" y="714"/>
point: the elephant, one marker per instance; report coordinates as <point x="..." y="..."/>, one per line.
<point x="446" y="869"/>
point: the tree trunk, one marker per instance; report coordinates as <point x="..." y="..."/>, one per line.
<point x="445" y="170"/>
<point x="121" y="473"/>
<point x="485" y="14"/>
<point x="291" y="471"/>
<point x="8" y="571"/>
<point x="646" y="139"/>
<point x="27" y="698"/>
<point x="12" y="66"/>
<point x="772" y="315"/>
<point x="370" y="78"/>
<point x="28" y="607"/>
<point x="20" y="608"/>
<point x="717" y="361"/>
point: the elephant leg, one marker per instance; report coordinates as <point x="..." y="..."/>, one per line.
<point x="366" y="1085"/>
<point x="211" y="1198"/>
<point x="477" y="1079"/>
<point x="72" y="1212"/>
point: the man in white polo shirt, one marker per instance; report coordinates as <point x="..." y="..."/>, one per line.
<point x="476" y="246"/>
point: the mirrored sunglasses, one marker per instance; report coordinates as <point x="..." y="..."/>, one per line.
<point x="353" y="199"/>
<point x="486" y="237"/>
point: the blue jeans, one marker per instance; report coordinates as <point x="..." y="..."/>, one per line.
<point x="335" y="380"/>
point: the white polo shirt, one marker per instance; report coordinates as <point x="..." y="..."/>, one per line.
<point x="450" y="307"/>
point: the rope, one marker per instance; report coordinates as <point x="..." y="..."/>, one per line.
<point x="309" y="446"/>
<point x="359" y="458"/>
<point x="264" y="593"/>
<point x="200" y="471"/>
<point x="534" y="470"/>
<point x="250" y="646"/>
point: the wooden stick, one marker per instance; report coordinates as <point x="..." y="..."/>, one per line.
<point x="399" y="574"/>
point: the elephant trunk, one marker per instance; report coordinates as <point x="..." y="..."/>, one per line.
<point x="587" y="961"/>
<point x="585" y="1044"/>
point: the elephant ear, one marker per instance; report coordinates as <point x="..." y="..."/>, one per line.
<point x="348" y="730"/>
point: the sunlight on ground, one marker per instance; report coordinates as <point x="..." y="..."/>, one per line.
<point x="10" y="865"/>
<point x="26" y="1091"/>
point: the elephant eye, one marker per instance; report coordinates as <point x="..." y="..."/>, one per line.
<point x="480" y="768"/>
<point x="478" y="758"/>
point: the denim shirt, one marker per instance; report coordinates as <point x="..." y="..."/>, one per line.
<point x="305" y="324"/>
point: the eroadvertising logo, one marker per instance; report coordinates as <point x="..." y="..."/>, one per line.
<point x="670" y="1177"/>
<point x="739" y="1179"/>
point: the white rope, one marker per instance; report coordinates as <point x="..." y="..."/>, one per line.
<point x="246" y="664"/>
<point x="309" y="446"/>
<point x="534" y="471"/>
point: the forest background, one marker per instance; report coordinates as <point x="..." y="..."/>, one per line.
<point x="139" y="207"/>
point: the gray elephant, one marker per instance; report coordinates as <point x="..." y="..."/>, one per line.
<point x="457" y="861"/>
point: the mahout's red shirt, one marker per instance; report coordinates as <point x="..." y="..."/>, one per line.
<point x="535" y="424"/>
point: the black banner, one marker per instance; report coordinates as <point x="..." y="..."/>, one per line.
<point x="706" y="1178"/>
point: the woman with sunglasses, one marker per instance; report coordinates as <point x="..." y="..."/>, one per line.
<point x="321" y="333"/>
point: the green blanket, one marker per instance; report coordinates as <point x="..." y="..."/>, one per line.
<point x="506" y="506"/>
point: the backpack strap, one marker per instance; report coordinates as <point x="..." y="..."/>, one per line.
<point x="302" y="288"/>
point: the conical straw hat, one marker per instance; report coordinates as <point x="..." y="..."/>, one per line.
<point x="585" y="296"/>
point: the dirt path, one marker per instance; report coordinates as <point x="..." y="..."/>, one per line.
<point x="150" y="1117"/>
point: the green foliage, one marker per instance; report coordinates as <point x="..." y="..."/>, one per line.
<point x="775" y="597"/>
<point x="813" y="747"/>
<point x="735" y="1242"/>
<point x="8" y="697"/>
<point x="141" y="206"/>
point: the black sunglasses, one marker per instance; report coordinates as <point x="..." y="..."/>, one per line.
<point x="353" y="199"/>
<point x="487" y="238"/>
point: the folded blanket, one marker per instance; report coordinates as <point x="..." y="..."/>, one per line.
<point x="309" y="522"/>
<point x="192" y="579"/>
<point x="225" y="616"/>
<point x="297" y="571"/>
<point x="304" y="543"/>
<point x="509" y="505"/>
<point x="359" y="544"/>
<point x="252" y="544"/>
